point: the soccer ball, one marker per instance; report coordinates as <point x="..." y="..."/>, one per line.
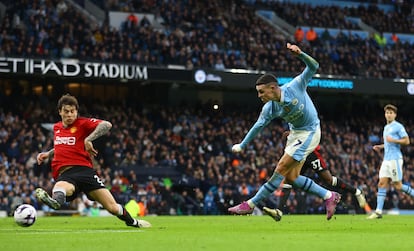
<point x="25" y="215"/>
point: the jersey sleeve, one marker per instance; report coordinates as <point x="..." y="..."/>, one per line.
<point x="311" y="67"/>
<point x="90" y="124"/>
<point x="401" y="131"/>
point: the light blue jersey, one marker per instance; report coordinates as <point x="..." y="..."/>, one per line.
<point x="295" y="105"/>
<point x="392" y="151"/>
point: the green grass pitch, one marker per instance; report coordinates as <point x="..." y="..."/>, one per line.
<point x="170" y="233"/>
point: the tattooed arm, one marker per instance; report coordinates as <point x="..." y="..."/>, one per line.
<point x="100" y="130"/>
<point x="41" y="157"/>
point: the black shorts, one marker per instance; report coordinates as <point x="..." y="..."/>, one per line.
<point x="315" y="162"/>
<point x="85" y="179"/>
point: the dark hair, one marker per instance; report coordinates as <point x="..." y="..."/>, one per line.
<point x="266" y="79"/>
<point x="67" y="99"/>
<point x="390" y="107"/>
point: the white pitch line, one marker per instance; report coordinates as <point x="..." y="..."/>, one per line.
<point x="48" y="231"/>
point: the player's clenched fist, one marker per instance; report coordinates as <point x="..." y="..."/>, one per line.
<point x="293" y="48"/>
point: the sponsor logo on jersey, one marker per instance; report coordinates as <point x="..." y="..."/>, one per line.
<point x="65" y="141"/>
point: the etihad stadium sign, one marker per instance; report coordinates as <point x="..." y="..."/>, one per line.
<point x="72" y="68"/>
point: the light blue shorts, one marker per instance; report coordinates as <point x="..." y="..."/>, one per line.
<point x="301" y="143"/>
<point x="392" y="169"/>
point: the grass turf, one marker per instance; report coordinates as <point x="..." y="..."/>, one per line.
<point x="294" y="232"/>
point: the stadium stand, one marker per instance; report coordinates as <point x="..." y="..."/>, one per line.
<point x="183" y="140"/>
<point x="28" y="31"/>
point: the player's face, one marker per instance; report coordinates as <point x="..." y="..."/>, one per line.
<point x="68" y="113"/>
<point x="265" y="92"/>
<point x="390" y="115"/>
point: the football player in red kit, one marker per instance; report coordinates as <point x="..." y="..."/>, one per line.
<point x="71" y="161"/>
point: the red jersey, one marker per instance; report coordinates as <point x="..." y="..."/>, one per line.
<point x="69" y="144"/>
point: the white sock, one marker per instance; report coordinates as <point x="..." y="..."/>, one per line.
<point x="285" y="185"/>
<point x="251" y="204"/>
<point x="120" y="210"/>
<point x="58" y="189"/>
<point x="334" y="181"/>
<point x="327" y="195"/>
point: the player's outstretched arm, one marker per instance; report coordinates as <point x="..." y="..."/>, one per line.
<point x="263" y="120"/>
<point x="41" y="157"/>
<point x="378" y="147"/>
<point x="310" y="62"/>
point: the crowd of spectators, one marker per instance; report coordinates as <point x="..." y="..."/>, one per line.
<point x="398" y="20"/>
<point x="214" y="34"/>
<point x="195" y="142"/>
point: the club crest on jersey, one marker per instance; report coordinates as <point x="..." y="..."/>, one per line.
<point x="73" y="129"/>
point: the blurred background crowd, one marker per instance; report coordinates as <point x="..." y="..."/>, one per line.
<point x="177" y="159"/>
<point x="190" y="148"/>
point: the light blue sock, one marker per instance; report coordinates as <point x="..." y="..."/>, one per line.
<point x="267" y="188"/>
<point x="382" y="193"/>
<point x="408" y="190"/>
<point x="309" y="186"/>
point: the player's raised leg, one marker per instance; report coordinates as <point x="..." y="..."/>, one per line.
<point x="43" y="196"/>
<point x="60" y="190"/>
<point x="331" y="198"/>
<point x="105" y="197"/>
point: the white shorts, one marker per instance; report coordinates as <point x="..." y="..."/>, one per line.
<point x="391" y="169"/>
<point x="301" y="143"/>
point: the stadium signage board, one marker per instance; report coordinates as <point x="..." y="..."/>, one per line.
<point x="72" y="68"/>
<point x="323" y="83"/>
<point x="229" y="78"/>
<point x="238" y="78"/>
<point x="201" y="77"/>
<point x="245" y="79"/>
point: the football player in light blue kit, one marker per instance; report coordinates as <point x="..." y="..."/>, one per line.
<point x="394" y="136"/>
<point x="292" y="103"/>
